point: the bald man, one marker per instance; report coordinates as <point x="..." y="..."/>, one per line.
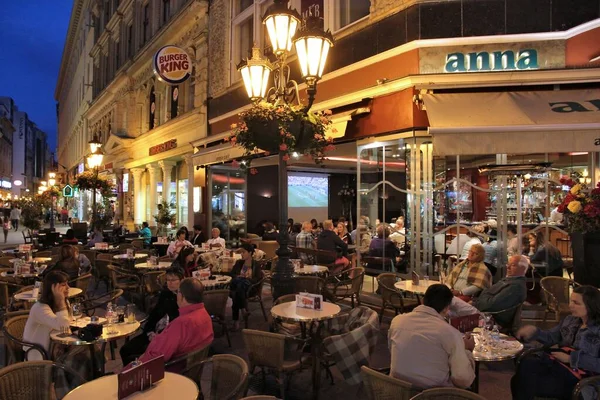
<point x="507" y="292"/>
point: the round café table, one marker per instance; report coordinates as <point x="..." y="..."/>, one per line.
<point x="106" y="388"/>
<point x="506" y="348"/>
<point x="311" y="270"/>
<point x="220" y="282"/>
<point x="127" y="257"/>
<point x="288" y="312"/>
<point x="161" y="265"/>
<point x="10" y="274"/>
<point x="408" y="286"/>
<point x="27" y="295"/>
<point x="122" y="330"/>
<point x="107" y="249"/>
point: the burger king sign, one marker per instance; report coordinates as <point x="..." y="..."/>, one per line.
<point x="172" y="65"/>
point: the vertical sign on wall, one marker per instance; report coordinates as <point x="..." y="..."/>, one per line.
<point x="312" y="8"/>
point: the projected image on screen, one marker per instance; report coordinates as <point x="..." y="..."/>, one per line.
<point x="308" y="191"/>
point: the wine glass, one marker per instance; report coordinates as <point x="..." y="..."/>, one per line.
<point x="76" y="312"/>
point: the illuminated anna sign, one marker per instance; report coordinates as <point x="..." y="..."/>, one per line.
<point x="492" y="61"/>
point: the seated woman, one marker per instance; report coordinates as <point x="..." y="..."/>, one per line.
<point x="52" y="313"/>
<point x="165" y="311"/>
<point x="270" y="232"/>
<point x="85" y="266"/>
<point x="245" y="273"/>
<point x="471" y="276"/>
<point x="555" y="373"/>
<point x="179" y="243"/>
<point x="68" y="262"/>
<point x="70" y="237"/>
<point x="342" y="232"/>
<point x="363" y="239"/>
<point x="541" y="251"/>
<point x="382" y="246"/>
<point x="186" y="261"/>
<point x="96" y="237"/>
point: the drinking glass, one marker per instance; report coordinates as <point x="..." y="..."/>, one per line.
<point x="121" y="314"/>
<point x="130" y="313"/>
<point x="76" y="312"/>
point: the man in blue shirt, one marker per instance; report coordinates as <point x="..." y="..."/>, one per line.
<point x="145" y="233"/>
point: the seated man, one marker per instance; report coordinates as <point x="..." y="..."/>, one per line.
<point x="427" y="351"/>
<point x="146" y="233"/>
<point x="191" y="331"/>
<point x="216" y="240"/>
<point x="505" y="293"/>
<point x="305" y="240"/>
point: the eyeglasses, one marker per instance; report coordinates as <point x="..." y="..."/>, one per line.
<point x="173" y="280"/>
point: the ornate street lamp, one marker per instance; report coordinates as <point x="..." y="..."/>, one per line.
<point x="51" y="183"/>
<point x="312" y="46"/>
<point x="94" y="161"/>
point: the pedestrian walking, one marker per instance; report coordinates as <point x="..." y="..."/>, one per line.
<point x="15" y="215"/>
<point x="6" y="227"/>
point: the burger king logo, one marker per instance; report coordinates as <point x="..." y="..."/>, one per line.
<point x="172" y="65"/>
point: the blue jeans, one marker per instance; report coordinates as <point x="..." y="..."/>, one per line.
<point x="540" y="376"/>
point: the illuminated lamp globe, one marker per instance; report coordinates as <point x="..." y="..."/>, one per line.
<point x="312" y="47"/>
<point x="51" y="179"/>
<point x="95" y="143"/>
<point x="94" y="160"/>
<point x="282" y="23"/>
<point x="17" y="182"/>
<point x="255" y="72"/>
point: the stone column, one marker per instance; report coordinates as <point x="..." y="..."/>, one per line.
<point x="167" y="168"/>
<point x="154" y="177"/>
<point x="138" y="199"/>
<point x="119" y="211"/>
<point x="190" y="194"/>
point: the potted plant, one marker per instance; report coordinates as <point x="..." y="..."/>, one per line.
<point x="581" y="210"/>
<point x="347" y="195"/>
<point x="281" y="128"/>
<point x="31" y="213"/>
<point x="165" y="217"/>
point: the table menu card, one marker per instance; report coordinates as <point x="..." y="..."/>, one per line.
<point x="201" y="274"/>
<point x="466" y="323"/>
<point x="24" y="248"/>
<point x="101" y="246"/>
<point x="415" y="278"/>
<point x="162" y="239"/>
<point x="141" y="377"/>
<point x="130" y="253"/>
<point x="310" y="301"/>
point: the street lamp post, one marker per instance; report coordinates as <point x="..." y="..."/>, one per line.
<point x="312" y="47"/>
<point x="94" y="161"/>
<point x="51" y="183"/>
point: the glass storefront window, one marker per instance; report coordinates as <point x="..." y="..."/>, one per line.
<point x="228" y="203"/>
<point x="182" y="210"/>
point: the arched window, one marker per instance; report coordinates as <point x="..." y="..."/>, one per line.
<point x="174" y="100"/>
<point x="152" y="109"/>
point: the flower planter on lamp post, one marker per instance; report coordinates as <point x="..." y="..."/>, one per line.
<point x="274" y="124"/>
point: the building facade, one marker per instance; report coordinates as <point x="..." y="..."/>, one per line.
<point x="145" y="125"/>
<point x="449" y="87"/>
<point x="6" y="149"/>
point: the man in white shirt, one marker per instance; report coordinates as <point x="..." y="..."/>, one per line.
<point x="216" y="240"/>
<point x="427" y="351"/>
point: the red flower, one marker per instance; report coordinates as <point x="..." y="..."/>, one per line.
<point x="568" y="198"/>
<point x="283" y="147"/>
<point x="267" y="153"/>
<point x="561" y="208"/>
<point x="596" y="191"/>
<point x="591" y="210"/>
<point x="235" y="164"/>
<point x="286" y="157"/>
<point x="329" y="147"/>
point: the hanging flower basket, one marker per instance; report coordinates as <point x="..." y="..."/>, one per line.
<point x="282" y="129"/>
<point x="88" y="180"/>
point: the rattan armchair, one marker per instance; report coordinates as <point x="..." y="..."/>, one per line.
<point x="90" y="305"/>
<point x="380" y="386"/>
<point x="513" y="314"/>
<point x="345" y="284"/>
<point x="556" y="293"/>
<point x="254" y="294"/>
<point x="390" y="297"/>
<point x="310" y="284"/>
<point x="13" y="334"/>
<point x="586" y="384"/>
<point x="267" y="351"/>
<point x="138" y="244"/>
<point x="229" y="379"/>
<point x="190" y="363"/>
<point x="81" y="282"/>
<point x="5" y="261"/>
<point x="448" y="393"/>
<point x="215" y="303"/>
<point x="260" y="397"/>
<point x="37" y="380"/>
<point x="152" y="283"/>
<point x="101" y="272"/>
<point x="125" y="280"/>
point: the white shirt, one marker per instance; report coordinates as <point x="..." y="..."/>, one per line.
<point x="465" y="250"/>
<point x="428" y="352"/>
<point x="42" y="320"/>
<point x="176" y="246"/>
<point x="457" y="244"/>
<point x="218" y="240"/>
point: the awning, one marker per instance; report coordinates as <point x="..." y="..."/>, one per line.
<point x="217" y="154"/>
<point x="339" y="122"/>
<point x="514" y="122"/>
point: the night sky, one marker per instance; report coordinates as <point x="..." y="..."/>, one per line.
<point x="32" y="35"/>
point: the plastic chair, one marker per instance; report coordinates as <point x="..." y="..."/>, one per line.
<point x="380" y="386"/>
<point x="267" y="350"/>
<point x="556" y="292"/>
<point x="13" y="331"/>
<point x="391" y="297"/>
<point x="215" y="303"/>
<point x="447" y="394"/>
<point x="36" y="380"/>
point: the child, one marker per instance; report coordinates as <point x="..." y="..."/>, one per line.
<point x="6" y="227"/>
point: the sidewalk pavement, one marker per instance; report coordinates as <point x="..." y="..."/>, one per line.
<point x="15" y="238"/>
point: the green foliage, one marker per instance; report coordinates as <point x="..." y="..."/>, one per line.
<point x="31" y="212"/>
<point x="166" y="214"/>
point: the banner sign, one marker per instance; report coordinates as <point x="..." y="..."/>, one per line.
<point x="166" y="146"/>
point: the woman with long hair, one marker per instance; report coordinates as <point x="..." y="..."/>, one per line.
<point x="68" y="262"/>
<point x="186" y="261"/>
<point x="6" y="227"/>
<point x="542" y="251"/>
<point x="342" y="232"/>
<point x="575" y="351"/>
<point x="245" y="272"/>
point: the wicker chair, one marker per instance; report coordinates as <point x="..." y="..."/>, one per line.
<point x="345" y="284"/>
<point x="5" y="262"/>
<point x="35" y="380"/>
<point x="151" y="282"/>
<point x="390" y="297"/>
<point x="215" y="303"/>
<point x="260" y="397"/>
<point x="269" y="247"/>
<point x="556" y="292"/>
<point x="137" y="244"/>
<point x="290" y="329"/>
<point x="582" y="386"/>
<point x="448" y="394"/>
<point x="267" y="350"/>
<point x="5" y="317"/>
<point x="229" y="379"/>
<point x="125" y="246"/>
<point x="89" y="306"/>
<point x="310" y="284"/>
<point x="13" y="333"/>
<point x="45" y="253"/>
<point x="190" y="363"/>
<point x="102" y="273"/>
<point x="125" y="280"/>
<point x="384" y="387"/>
<point x="91" y="255"/>
<point x="515" y="320"/>
<point x="254" y="294"/>
<point x="104" y="257"/>
<point x="82" y="282"/>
